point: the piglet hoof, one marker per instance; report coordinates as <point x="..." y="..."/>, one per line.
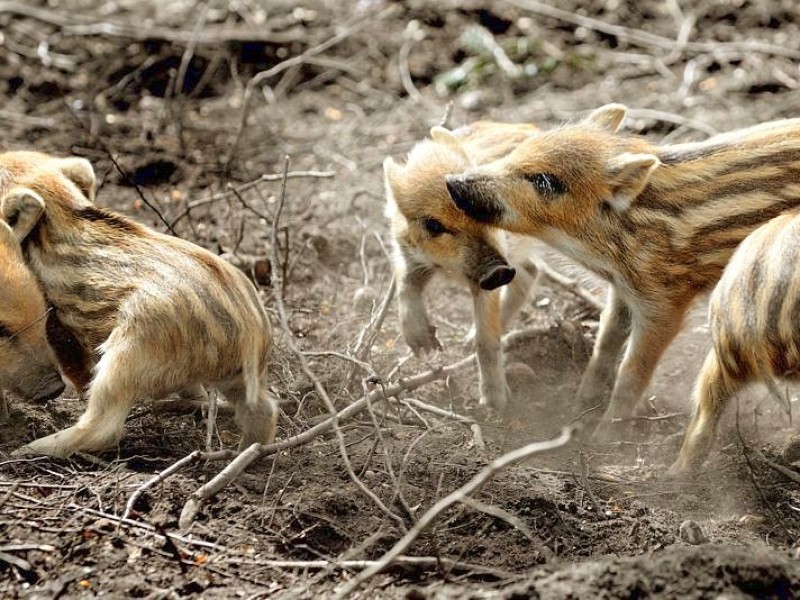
<point x="51" y="445"/>
<point x="677" y="472"/>
<point x="605" y="432"/>
<point x="25" y="450"/>
<point x="423" y="342"/>
<point x="495" y="399"/>
<point x="494" y="404"/>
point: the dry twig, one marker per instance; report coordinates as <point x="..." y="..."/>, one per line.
<point x="237" y="190"/>
<point x="570" y="285"/>
<point x="237" y="466"/>
<point x="786" y="472"/>
<point x="264" y="76"/>
<point x="158" y="478"/>
<point x="651" y="40"/>
<point x="241" y="461"/>
<point x="460" y="495"/>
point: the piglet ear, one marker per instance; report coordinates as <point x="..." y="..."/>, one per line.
<point x="607" y="118"/>
<point x="628" y="175"/>
<point x="392" y="171"/>
<point x="21" y="208"/>
<point x="393" y="177"/>
<point x="80" y="172"/>
<point x="442" y="135"/>
<point x="9" y="240"/>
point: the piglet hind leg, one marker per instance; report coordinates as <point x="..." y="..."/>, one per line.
<point x="598" y="379"/>
<point x="712" y="391"/>
<point x="648" y="340"/>
<point x="102" y="425"/>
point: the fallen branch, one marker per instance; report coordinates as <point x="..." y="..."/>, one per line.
<point x="460" y="495"/>
<point x="241" y="461"/>
<point x="283" y="315"/>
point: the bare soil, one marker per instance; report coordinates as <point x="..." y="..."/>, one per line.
<point x="154" y="94"/>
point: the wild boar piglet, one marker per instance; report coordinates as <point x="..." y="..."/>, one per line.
<point x="149" y="314"/>
<point x="658" y="222"/>
<point x="430" y="235"/>
<point x="754" y="317"/>
<point x="27" y="365"/>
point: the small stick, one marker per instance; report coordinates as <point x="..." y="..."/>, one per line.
<point x="570" y="285"/>
<point x="146" y="527"/>
<point x="459" y="495"/>
<point x="233" y="191"/>
<point x="788" y="473"/>
<point x="370" y="332"/>
<point x="299" y="59"/>
<point x="7" y="496"/>
<point x="410" y="36"/>
<point x="20" y="563"/>
<point x="76" y="24"/>
<point x="158" y="478"/>
<point x="387" y="459"/>
<point x="366" y="367"/>
<point x="430" y="562"/>
<point x="27" y="548"/>
<point x="668" y="117"/>
<point x="585" y="484"/>
<point x="448" y="112"/>
<point x="650" y="40"/>
<point x="441" y="412"/>
<point x="665" y="417"/>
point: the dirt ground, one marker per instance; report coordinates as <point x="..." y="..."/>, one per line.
<point x="182" y="106"/>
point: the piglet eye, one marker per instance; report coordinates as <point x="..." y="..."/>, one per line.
<point x="547" y="184"/>
<point x="434" y="226"/>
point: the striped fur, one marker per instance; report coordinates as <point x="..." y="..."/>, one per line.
<point x="430" y="235"/>
<point x="659" y="223"/>
<point x="151" y="313"/>
<point x="28" y="366"/>
<point x="754" y="314"/>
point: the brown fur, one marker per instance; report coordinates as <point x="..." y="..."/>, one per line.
<point x="152" y="314"/>
<point x="754" y="314"/>
<point x="659" y="223"/>
<point x="28" y="367"/>
<point x="461" y="249"/>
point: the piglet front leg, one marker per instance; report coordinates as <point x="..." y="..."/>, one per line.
<point x="488" y="350"/>
<point x="417" y="330"/>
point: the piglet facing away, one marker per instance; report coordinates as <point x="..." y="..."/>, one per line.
<point x="431" y="236"/>
<point x="151" y="314"/>
<point x="27" y="366"/>
<point x="753" y="317"/>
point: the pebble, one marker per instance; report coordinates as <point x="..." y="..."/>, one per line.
<point x="691" y="533"/>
